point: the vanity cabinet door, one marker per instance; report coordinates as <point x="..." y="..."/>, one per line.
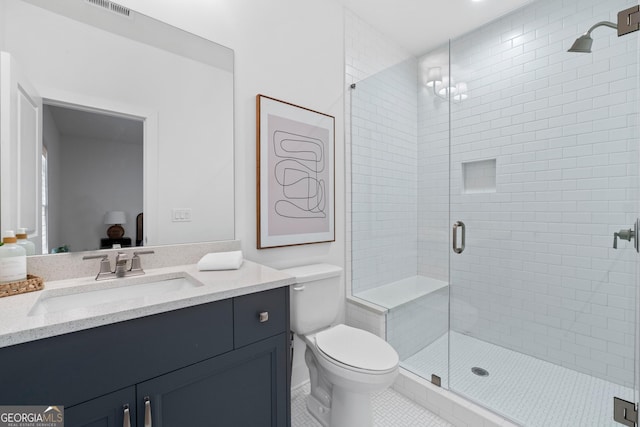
<point x="246" y="387"/>
<point x="104" y="411"/>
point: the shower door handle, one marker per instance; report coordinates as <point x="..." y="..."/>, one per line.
<point x="456" y="225"/>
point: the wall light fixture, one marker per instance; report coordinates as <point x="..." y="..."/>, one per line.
<point x="445" y="87"/>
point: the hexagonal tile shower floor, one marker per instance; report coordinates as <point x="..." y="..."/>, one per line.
<point x="525" y="389"/>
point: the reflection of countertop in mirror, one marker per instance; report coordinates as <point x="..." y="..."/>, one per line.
<point x="19" y="323"/>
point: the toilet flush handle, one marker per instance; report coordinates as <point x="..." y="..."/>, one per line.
<point x="298" y="288"/>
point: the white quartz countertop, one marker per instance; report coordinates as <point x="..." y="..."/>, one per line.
<point x="20" y="323"/>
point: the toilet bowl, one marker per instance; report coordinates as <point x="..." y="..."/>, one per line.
<point x="345" y="364"/>
<point x="349" y="365"/>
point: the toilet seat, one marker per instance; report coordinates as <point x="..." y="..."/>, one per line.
<point x="356" y="349"/>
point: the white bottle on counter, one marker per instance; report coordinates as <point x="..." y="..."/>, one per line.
<point x="13" y="259"/>
<point x="28" y="245"/>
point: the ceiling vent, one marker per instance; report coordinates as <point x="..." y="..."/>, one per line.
<point x="111" y="7"/>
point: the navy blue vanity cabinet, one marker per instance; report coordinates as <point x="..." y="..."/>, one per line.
<point x="241" y="388"/>
<point x="246" y="387"/>
<point x="105" y="411"/>
<point x="189" y="367"/>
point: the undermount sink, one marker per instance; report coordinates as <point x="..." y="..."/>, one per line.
<point x="90" y="295"/>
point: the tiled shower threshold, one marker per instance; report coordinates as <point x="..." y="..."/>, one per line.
<point x="525" y="389"/>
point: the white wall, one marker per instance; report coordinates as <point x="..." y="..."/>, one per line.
<point x="287" y="49"/>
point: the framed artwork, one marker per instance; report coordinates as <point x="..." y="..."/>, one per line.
<point x="295" y="174"/>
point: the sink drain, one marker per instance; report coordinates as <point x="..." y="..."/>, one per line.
<point x="480" y="372"/>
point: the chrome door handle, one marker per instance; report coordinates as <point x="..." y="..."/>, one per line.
<point x="126" y="422"/>
<point x="456" y="225"/>
<point x="147" y="412"/>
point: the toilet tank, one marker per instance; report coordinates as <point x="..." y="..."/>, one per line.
<point x="315" y="298"/>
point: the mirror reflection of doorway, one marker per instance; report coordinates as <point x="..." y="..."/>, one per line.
<point x="94" y="165"/>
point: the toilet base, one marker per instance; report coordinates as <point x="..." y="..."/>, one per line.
<point x="320" y="412"/>
<point x="341" y="395"/>
<point x="348" y="409"/>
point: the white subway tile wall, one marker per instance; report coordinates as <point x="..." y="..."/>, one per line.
<point x="363" y="318"/>
<point x="367" y="52"/>
<point x="434" y="228"/>
<point x="384" y="167"/>
<point x="539" y="274"/>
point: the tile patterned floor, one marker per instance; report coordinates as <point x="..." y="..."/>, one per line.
<point x="530" y="391"/>
<point x="390" y="409"/>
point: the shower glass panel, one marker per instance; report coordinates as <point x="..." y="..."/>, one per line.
<point x="543" y="171"/>
<point x="386" y="172"/>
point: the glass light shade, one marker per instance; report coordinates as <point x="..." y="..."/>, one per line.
<point x="434" y="76"/>
<point x="461" y="92"/>
<point x="447" y="87"/>
<point x="115" y="217"/>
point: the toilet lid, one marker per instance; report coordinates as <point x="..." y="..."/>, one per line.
<point x="357" y="348"/>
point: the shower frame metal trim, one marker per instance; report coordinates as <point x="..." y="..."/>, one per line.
<point x="625" y="412"/>
<point x="628" y="20"/>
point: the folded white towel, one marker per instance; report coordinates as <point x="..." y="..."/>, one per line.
<point x="221" y="261"/>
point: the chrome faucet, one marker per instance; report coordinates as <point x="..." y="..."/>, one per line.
<point x="628" y="234"/>
<point x="121" y="264"/>
<point x="136" y="265"/>
<point x="624" y="235"/>
<point x="105" y="266"/>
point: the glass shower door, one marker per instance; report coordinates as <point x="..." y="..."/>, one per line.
<point x="543" y="174"/>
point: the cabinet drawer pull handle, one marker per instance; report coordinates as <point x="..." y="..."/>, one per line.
<point x="263" y="316"/>
<point x="147" y="412"/>
<point x="298" y="288"/>
<point x="126" y="419"/>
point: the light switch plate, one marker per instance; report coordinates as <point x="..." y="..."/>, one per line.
<point x="181" y="215"/>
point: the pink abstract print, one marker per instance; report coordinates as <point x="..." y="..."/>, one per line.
<point x="299" y="170"/>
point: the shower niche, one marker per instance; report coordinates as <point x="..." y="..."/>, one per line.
<point x="479" y="176"/>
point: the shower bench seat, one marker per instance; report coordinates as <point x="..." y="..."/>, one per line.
<point x="400" y="292"/>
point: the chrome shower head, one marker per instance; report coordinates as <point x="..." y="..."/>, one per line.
<point x="584" y="42"/>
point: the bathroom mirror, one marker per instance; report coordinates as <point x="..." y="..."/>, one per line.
<point x="73" y="73"/>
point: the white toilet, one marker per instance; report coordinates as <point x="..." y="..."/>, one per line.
<point x="345" y="364"/>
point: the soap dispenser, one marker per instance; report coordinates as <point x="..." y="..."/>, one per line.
<point x="29" y="246"/>
<point x="13" y="259"/>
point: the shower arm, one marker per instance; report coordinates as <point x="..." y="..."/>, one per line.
<point x="601" y="24"/>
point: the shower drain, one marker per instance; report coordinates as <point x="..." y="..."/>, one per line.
<point x="480" y="372"/>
